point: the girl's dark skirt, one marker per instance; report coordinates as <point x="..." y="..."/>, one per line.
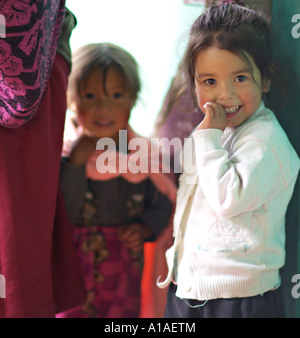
<point x="267" y="305"/>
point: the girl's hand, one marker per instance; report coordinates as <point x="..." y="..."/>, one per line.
<point x="133" y="236"/>
<point x="82" y="149"/>
<point x="215" y="117"/>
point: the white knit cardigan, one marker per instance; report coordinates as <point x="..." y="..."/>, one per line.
<point x="229" y="224"/>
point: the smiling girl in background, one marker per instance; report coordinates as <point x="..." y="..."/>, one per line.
<point x="112" y="213"/>
<point x="229" y="223"/>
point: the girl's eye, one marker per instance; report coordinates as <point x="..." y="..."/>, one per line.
<point x="117" y="95"/>
<point x="89" y="96"/>
<point x="210" y="82"/>
<point x="241" y="78"/>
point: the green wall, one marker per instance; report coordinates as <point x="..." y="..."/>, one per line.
<point x="286" y="50"/>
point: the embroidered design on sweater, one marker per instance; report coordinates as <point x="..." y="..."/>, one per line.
<point x="228" y="236"/>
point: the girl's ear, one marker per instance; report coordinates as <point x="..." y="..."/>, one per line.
<point x="72" y="106"/>
<point x="266" y="85"/>
<point x="266" y="81"/>
<point x="75" y="122"/>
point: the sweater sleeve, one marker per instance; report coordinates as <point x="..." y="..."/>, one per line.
<point x="27" y="55"/>
<point x="157" y="212"/>
<point x="73" y="184"/>
<point x="241" y="181"/>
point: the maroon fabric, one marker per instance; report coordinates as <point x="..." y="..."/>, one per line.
<point x="29" y="181"/>
<point x="68" y="283"/>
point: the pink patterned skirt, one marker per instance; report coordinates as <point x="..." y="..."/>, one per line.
<point x="112" y="277"/>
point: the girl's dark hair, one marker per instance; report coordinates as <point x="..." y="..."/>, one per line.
<point x="100" y="57"/>
<point x="234" y="28"/>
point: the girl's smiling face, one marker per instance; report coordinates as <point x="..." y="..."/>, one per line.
<point x="103" y="107"/>
<point x="225" y="79"/>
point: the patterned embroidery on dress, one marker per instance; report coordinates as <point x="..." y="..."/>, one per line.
<point x="95" y="242"/>
<point x="135" y="204"/>
<point x="27" y="54"/>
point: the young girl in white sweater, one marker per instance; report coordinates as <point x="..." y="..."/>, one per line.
<point x="229" y="224"/>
